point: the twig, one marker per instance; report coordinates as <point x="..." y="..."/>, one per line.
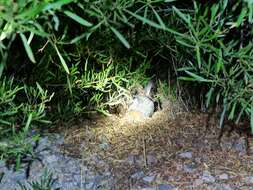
<point x="144" y="152"/>
<point x="41" y="49"/>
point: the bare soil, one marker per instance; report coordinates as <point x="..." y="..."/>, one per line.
<point x="127" y="145"/>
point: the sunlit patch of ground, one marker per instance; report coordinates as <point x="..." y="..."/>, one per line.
<point x="128" y="144"/>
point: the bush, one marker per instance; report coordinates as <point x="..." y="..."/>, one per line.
<point x="90" y="55"/>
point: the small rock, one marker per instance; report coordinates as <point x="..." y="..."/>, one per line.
<point x="89" y="185"/>
<point x="148" y="188"/>
<point x="248" y="179"/>
<point x="2" y="164"/>
<point x="131" y="159"/>
<point x="43" y="144"/>
<point x="51" y="158"/>
<point x="19" y="176"/>
<point x="59" y="140"/>
<point x="221" y="187"/>
<point x="149" y="179"/>
<point x="187" y="154"/>
<point x="138" y="175"/>
<point x="224" y="176"/>
<point x="241" y="145"/>
<point x="197" y="182"/>
<point x="151" y="159"/>
<point x="190" y="168"/>
<point x="165" y="187"/>
<point x="207" y="177"/>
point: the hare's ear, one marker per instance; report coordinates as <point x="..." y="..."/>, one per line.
<point x="150" y="86"/>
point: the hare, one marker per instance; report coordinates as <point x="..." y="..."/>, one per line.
<point x="143" y="104"/>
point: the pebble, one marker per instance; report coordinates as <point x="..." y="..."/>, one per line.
<point x="248" y="179"/>
<point x="197" y="182"/>
<point x="138" y="175"/>
<point x="165" y="187"/>
<point x="187" y="154"/>
<point x="221" y="187"/>
<point x="224" y="176"/>
<point x="148" y="188"/>
<point x="207" y="177"/>
<point x="149" y="179"/>
<point x="42" y="144"/>
<point x="240" y="145"/>
<point x="190" y="168"/>
<point x="151" y="159"/>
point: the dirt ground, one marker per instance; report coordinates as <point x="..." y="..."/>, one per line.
<point x="176" y="149"/>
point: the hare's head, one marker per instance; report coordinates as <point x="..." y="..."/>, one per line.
<point x="149" y="88"/>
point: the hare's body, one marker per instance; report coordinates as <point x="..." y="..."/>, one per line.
<point x="143" y="103"/>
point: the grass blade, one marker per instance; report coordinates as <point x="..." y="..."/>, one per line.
<point x="120" y="37"/>
<point x="181" y="15"/>
<point x="78" y="19"/>
<point x="57" y="5"/>
<point x="251" y="119"/>
<point x="28" y="123"/>
<point x="198" y="56"/>
<point x="27" y="48"/>
<point x="197" y="77"/>
<point x="159" y="19"/>
<point x="145" y="20"/>
<point x="62" y="60"/>
<point x="223" y="114"/>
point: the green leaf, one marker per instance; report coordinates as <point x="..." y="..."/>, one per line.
<point x="219" y="64"/>
<point x="183" y="16"/>
<point x="120" y="37"/>
<point x="28" y="123"/>
<point x="241" y="17"/>
<point x="198" y="56"/>
<point x="197" y="77"/>
<point x="250" y="14"/>
<point x="251" y="119"/>
<point x="145" y="20"/>
<point x="186" y="78"/>
<point x="27" y="48"/>
<point x="62" y="60"/>
<point x="184" y="43"/>
<point x="69" y="85"/>
<point x="78" y="19"/>
<point x="223" y="114"/>
<point x="232" y="112"/>
<point x="40" y="89"/>
<point x="31" y="12"/>
<point x="209" y="96"/>
<point x="57" y="5"/>
<point x="4" y="122"/>
<point x="159" y="19"/>
<point x="7" y="30"/>
<point x="153" y="24"/>
<point x="214" y="11"/>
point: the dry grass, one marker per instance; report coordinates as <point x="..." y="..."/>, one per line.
<point x="115" y="139"/>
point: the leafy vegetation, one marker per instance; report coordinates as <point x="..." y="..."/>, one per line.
<point x="63" y="58"/>
<point x="44" y="183"/>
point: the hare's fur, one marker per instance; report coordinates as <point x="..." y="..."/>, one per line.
<point x="143" y="103"/>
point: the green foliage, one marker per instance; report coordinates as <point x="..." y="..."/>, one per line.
<point x="16" y="147"/>
<point x="217" y="51"/>
<point x="44" y="183"/>
<point x="167" y="91"/>
<point x="8" y="93"/>
<point x="222" y="60"/>
<point x="18" y="114"/>
<point x="90" y="54"/>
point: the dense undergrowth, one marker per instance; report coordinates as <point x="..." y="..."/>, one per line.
<point x="63" y="58"/>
